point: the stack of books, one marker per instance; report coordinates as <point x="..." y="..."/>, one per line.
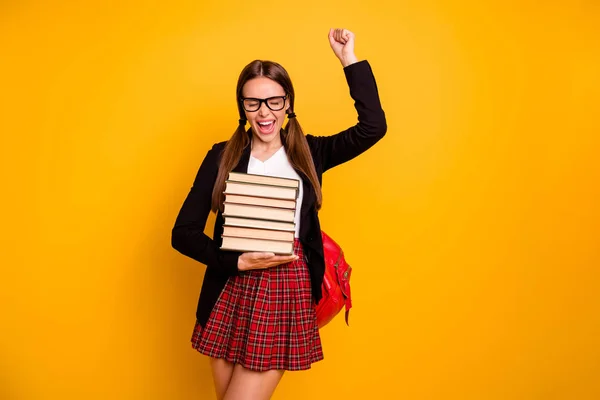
<point x="259" y="213"/>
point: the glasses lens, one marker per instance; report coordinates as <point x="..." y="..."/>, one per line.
<point x="275" y="103"/>
<point x="251" y="104"/>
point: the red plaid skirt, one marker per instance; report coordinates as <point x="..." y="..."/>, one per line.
<point x="264" y="319"/>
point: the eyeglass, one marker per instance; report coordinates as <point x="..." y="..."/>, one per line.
<point x="275" y="103"/>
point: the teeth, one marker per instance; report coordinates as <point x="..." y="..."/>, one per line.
<point x="265" y="123"/>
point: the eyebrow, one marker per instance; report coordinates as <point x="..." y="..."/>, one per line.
<point x="262" y="98"/>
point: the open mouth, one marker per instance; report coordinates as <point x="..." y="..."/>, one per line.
<point x="266" y="127"/>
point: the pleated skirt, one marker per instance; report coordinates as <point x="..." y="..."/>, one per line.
<point x="264" y="319"/>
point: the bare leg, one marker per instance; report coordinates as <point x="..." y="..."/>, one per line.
<point x="251" y="385"/>
<point x="222" y="371"/>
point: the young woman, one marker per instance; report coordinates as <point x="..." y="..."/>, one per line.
<point x="256" y="312"/>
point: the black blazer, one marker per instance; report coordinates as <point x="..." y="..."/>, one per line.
<point x="327" y="151"/>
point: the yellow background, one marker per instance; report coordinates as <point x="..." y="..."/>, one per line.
<point x="481" y="280"/>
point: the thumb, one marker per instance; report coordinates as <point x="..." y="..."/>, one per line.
<point x="348" y="36"/>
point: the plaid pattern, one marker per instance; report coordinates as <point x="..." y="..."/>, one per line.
<point x="264" y="319"/>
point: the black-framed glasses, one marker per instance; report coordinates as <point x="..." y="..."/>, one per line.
<point x="275" y="103"/>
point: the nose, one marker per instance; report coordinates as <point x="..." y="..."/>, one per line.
<point x="263" y="111"/>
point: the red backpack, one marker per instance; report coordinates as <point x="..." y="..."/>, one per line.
<point x="336" y="283"/>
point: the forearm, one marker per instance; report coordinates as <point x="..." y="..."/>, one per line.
<point x="192" y="242"/>
<point x="188" y="236"/>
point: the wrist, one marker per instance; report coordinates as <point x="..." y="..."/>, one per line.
<point x="348" y="60"/>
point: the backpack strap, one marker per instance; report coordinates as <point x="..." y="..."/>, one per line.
<point x="344" y="282"/>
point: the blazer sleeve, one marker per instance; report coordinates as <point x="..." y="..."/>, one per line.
<point x="371" y="127"/>
<point x="188" y="236"/>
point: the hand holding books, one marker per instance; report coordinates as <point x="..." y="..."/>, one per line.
<point x="257" y="260"/>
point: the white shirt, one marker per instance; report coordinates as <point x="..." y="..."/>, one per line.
<point x="278" y="165"/>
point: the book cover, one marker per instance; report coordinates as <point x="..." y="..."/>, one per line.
<point x="259" y="245"/>
<point x="259" y="223"/>
<point x="259" y="212"/>
<point x="260" y="190"/>
<point x="257" y="233"/>
<point x="260" y="201"/>
<point x="263" y="179"/>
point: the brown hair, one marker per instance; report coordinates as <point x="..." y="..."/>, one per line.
<point x="294" y="140"/>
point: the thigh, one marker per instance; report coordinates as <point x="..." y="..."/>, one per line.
<point x="251" y="385"/>
<point x="222" y="372"/>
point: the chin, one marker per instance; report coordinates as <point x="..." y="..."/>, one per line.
<point x="269" y="137"/>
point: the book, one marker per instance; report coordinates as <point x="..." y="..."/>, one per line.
<point x="259" y="212"/>
<point x="259" y="223"/>
<point x="260" y="201"/>
<point x="258" y="233"/>
<point x="260" y="190"/>
<point x="263" y="179"/>
<point x="260" y="245"/>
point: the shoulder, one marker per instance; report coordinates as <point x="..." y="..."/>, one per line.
<point x="315" y="144"/>
<point x="212" y="159"/>
<point x="310" y="139"/>
<point x="216" y="150"/>
<point x="218" y="147"/>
